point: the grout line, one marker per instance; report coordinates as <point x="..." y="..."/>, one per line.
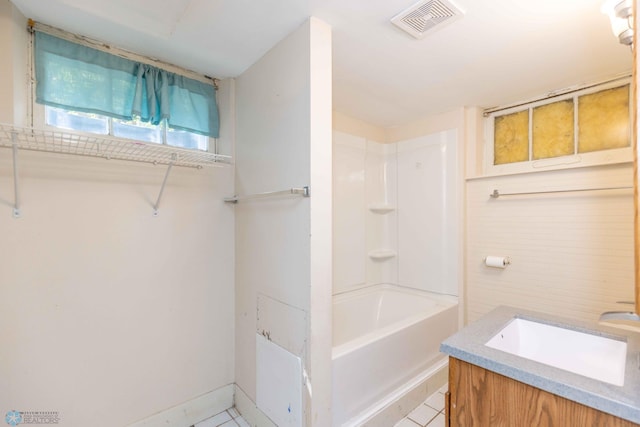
<point x="439" y="411"/>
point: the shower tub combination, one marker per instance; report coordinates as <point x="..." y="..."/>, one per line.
<point x="386" y="341"/>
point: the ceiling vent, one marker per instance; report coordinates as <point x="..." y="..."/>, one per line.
<point x="427" y="16"/>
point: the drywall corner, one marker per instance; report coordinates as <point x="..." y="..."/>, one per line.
<point x="320" y="265"/>
<point x="346" y="124"/>
<point x="226" y="96"/>
<point x="436" y="123"/>
<point x="249" y="410"/>
<point x="14" y="43"/>
<point x="193" y="411"/>
<point x="473" y="141"/>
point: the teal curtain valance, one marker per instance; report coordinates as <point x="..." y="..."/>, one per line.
<point x="79" y="78"/>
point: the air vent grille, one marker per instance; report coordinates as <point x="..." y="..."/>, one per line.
<point x="426" y="16"/>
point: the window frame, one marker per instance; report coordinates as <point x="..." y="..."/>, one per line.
<point x="40" y="118"/>
<point x="576" y="160"/>
<point x="40" y="121"/>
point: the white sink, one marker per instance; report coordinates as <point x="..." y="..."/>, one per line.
<point x="593" y="356"/>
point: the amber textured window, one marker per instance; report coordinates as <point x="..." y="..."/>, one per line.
<point x="553" y="126"/>
<point x="585" y="121"/>
<point x="603" y="120"/>
<point x="511" y="138"/>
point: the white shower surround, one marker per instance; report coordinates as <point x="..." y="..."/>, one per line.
<point x="397" y="212"/>
<point x="396" y="256"/>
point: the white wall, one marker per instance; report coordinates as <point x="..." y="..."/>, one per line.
<point x="348" y="125"/>
<point x="111" y="315"/>
<point x="107" y="314"/>
<point x="635" y="141"/>
<point x="572" y="253"/>
<point x="13" y="87"/>
<point x="283" y="245"/>
<point x="455" y="119"/>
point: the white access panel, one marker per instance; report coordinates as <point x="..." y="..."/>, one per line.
<point x="278" y="383"/>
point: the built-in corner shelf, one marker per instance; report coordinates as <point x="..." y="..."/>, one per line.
<point x="381" y="254"/>
<point x="381" y="208"/>
<point x="106" y="147"/>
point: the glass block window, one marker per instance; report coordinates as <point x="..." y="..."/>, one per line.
<point x="565" y="127"/>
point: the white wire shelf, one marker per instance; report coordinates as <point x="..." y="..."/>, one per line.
<point x="105" y="147"/>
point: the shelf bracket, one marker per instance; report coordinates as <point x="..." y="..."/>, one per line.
<point x="14" y="147"/>
<point x="164" y="183"/>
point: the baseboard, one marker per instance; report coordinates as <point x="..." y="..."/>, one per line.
<point x="195" y="410"/>
<point x="223" y="398"/>
<point x="249" y="411"/>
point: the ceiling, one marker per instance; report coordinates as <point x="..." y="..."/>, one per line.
<point x="499" y="52"/>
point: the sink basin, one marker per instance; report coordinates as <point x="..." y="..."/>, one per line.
<point x="593" y="356"/>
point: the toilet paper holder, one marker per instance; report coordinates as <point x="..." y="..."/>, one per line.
<point x="497" y="261"/>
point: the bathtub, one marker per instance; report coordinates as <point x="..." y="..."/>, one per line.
<point x="385" y="337"/>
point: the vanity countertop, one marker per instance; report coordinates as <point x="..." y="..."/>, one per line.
<point x="622" y="401"/>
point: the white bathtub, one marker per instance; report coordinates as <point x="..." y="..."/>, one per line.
<point x="384" y="337"/>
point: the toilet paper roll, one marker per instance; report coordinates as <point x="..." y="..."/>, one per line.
<point x="497" y="261"/>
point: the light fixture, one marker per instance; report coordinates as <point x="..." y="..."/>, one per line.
<point x="620" y="13"/>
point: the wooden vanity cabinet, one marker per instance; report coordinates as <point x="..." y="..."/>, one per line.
<point x="481" y="398"/>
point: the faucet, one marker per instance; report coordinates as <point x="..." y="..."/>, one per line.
<point x="621" y="315"/>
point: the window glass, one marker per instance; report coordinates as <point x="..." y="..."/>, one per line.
<point x="129" y="129"/>
<point x="511" y="138"/>
<point x="603" y="120"/>
<point x="585" y="121"/>
<point x="553" y="130"/>
<point x="85" y="122"/>
<point x="135" y="129"/>
<point x="179" y="138"/>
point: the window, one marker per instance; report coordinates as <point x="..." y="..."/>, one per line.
<point x="130" y="129"/>
<point x="586" y="127"/>
<point x="94" y="91"/>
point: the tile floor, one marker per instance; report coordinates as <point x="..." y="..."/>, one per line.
<point x="430" y="413"/>
<point x="228" y="418"/>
